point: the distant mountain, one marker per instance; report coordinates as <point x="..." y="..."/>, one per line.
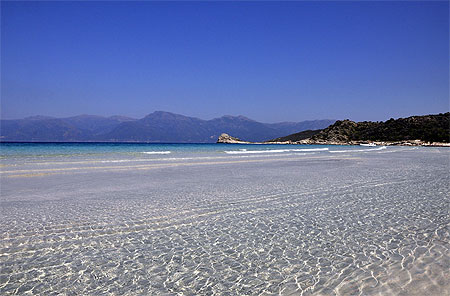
<point x="97" y="125"/>
<point x="295" y="127"/>
<point x="47" y="129"/>
<point x="39" y="117"/>
<point x="168" y="127"/>
<point x="158" y="126"/>
<point x="428" y="128"/>
<point x="242" y="127"/>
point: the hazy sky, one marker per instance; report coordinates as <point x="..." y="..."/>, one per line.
<point x="269" y="61"/>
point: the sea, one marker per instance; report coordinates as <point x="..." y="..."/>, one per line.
<point x="223" y="219"/>
<point x="146" y="151"/>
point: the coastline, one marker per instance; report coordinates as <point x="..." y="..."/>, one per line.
<point x="351" y="143"/>
<point x="377" y="143"/>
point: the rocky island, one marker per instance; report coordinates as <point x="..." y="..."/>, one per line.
<point x="227" y="139"/>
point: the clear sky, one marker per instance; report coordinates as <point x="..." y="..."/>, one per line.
<point x="269" y="61"/>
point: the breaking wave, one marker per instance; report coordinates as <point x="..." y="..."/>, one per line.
<point x="245" y="151"/>
<point x="359" y="150"/>
<point x="156" y="152"/>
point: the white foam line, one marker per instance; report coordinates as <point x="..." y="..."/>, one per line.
<point x="167" y="159"/>
<point x="156" y="152"/>
<point x="115" y="161"/>
<point x="359" y="150"/>
<point x="274" y="151"/>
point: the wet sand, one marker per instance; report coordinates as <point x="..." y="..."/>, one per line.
<point x="325" y="224"/>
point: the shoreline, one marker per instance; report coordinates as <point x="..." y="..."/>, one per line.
<point x="418" y="143"/>
<point x="377" y="143"/>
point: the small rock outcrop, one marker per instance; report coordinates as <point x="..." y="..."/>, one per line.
<point x="227" y="139"/>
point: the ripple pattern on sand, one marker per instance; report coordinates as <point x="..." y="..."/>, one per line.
<point x="364" y="226"/>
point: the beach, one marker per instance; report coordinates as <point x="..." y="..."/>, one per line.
<point x="224" y="220"/>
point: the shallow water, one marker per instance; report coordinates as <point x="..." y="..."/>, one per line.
<point x="191" y="222"/>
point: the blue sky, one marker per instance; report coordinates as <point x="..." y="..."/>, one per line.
<point x="270" y="61"/>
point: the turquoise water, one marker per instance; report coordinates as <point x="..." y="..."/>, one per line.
<point x="30" y="150"/>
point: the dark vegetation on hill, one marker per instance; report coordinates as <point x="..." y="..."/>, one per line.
<point x="297" y="136"/>
<point x="428" y="128"/>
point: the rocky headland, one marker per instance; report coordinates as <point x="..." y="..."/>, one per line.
<point x="428" y="130"/>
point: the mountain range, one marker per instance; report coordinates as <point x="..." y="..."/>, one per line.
<point x="158" y="127"/>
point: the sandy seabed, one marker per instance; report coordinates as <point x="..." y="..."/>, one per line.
<point x="328" y="224"/>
